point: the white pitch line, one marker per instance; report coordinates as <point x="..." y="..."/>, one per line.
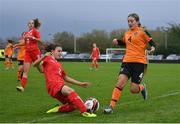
<point x="158" y="97"/>
<point x="125" y="103"/>
<point x="47" y="118"/>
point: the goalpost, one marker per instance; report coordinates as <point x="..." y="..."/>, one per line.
<point x="114" y="53"/>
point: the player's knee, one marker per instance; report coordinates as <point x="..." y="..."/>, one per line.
<point x="120" y="85"/>
<point x="134" y="88"/>
<point x="66" y="90"/>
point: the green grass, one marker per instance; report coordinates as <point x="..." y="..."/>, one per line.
<point x="163" y="82"/>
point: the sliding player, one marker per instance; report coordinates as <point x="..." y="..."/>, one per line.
<point x="55" y="82"/>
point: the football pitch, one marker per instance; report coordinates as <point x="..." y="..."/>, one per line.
<point x="162" y="106"/>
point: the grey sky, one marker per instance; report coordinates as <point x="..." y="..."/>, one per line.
<point x="80" y="16"/>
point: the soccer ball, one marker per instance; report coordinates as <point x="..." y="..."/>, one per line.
<point x="92" y="105"/>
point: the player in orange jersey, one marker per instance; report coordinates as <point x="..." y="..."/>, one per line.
<point x="55" y="82"/>
<point x="95" y="56"/>
<point x="134" y="61"/>
<point x="32" y="37"/>
<point x="20" y="57"/>
<point x="8" y="55"/>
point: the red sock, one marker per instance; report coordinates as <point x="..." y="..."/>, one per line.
<point x="67" y="108"/>
<point x="77" y="102"/>
<point x="23" y="82"/>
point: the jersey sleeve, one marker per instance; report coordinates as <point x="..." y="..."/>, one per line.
<point x="36" y="33"/>
<point x="146" y="37"/>
<point x="44" y="62"/>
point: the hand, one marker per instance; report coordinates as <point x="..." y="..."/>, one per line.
<point x="48" y="54"/>
<point x="14" y="46"/>
<point x="115" y="41"/>
<point x="30" y="37"/>
<point x="85" y="84"/>
<point x="152" y="50"/>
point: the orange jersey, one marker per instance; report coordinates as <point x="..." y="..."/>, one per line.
<point x="9" y="49"/>
<point x="136" y="42"/>
<point x="21" y="51"/>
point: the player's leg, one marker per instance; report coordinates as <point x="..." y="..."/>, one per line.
<point x="92" y="64"/>
<point x="96" y="64"/>
<point x="122" y="80"/>
<point x="137" y="77"/>
<point x="116" y="93"/>
<point x="20" y="70"/>
<point x="26" y="68"/>
<point x="75" y="100"/>
<point x="66" y="107"/>
<point x="7" y="63"/>
<point x="11" y="64"/>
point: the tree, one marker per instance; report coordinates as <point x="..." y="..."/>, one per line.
<point x="65" y="39"/>
<point x="100" y="37"/>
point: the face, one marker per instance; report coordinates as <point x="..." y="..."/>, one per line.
<point x="132" y="23"/>
<point x="94" y="45"/>
<point x="31" y="24"/>
<point x="57" y="52"/>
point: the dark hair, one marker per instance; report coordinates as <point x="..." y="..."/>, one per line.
<point x="10" y="41"/>
<point x="135" y="16"/>
<point x="51" y="46"/>
<point x="37" y="23"/>
<point x="23" y="33"/>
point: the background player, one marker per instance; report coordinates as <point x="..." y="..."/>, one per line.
<point x="31" y="37"/>
<point x="55" y="82"/>
<point x="8" y="55"/>
<point x="95" y="56"/>
<point x="134" y="61"/>
<point x="20" y="57"/>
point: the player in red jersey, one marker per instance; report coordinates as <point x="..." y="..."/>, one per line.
<point x="95" y="56"/>
<point x="31" y="37"/>
<point x="55" y="82"/>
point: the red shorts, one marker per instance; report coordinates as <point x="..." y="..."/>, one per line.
<point x="54" y="88"/>
<point x="31" y="56"/>
<point x="63" y="99"/>
<point x="95" y="58"/>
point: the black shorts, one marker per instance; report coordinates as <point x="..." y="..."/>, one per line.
<point x="6" y="57"/>
<point x="135" y="71"/>
<point x="20" y="62"/>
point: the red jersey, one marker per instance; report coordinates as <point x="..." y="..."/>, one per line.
<point x="95" y="52"/>
<point x="30" y="43"/>
<point x="54" y="72"/>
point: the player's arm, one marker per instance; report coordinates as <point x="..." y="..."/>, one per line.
<point x="40" y="68"/>
<point x="37" y="39"/>
<point x="38" y="64"/>
<point x="99" y="53"/>
<point x="38" y="61"/>
<point x="91" y="56"/>
<point x="150" y="41"/>
<point x="19" y="44"/>
<point x="153" y="46"/>
<point x="75" y="82"/>
<point x="118" y="42"/>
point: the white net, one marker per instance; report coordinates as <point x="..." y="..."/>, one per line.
<point x="114" y="54"/>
